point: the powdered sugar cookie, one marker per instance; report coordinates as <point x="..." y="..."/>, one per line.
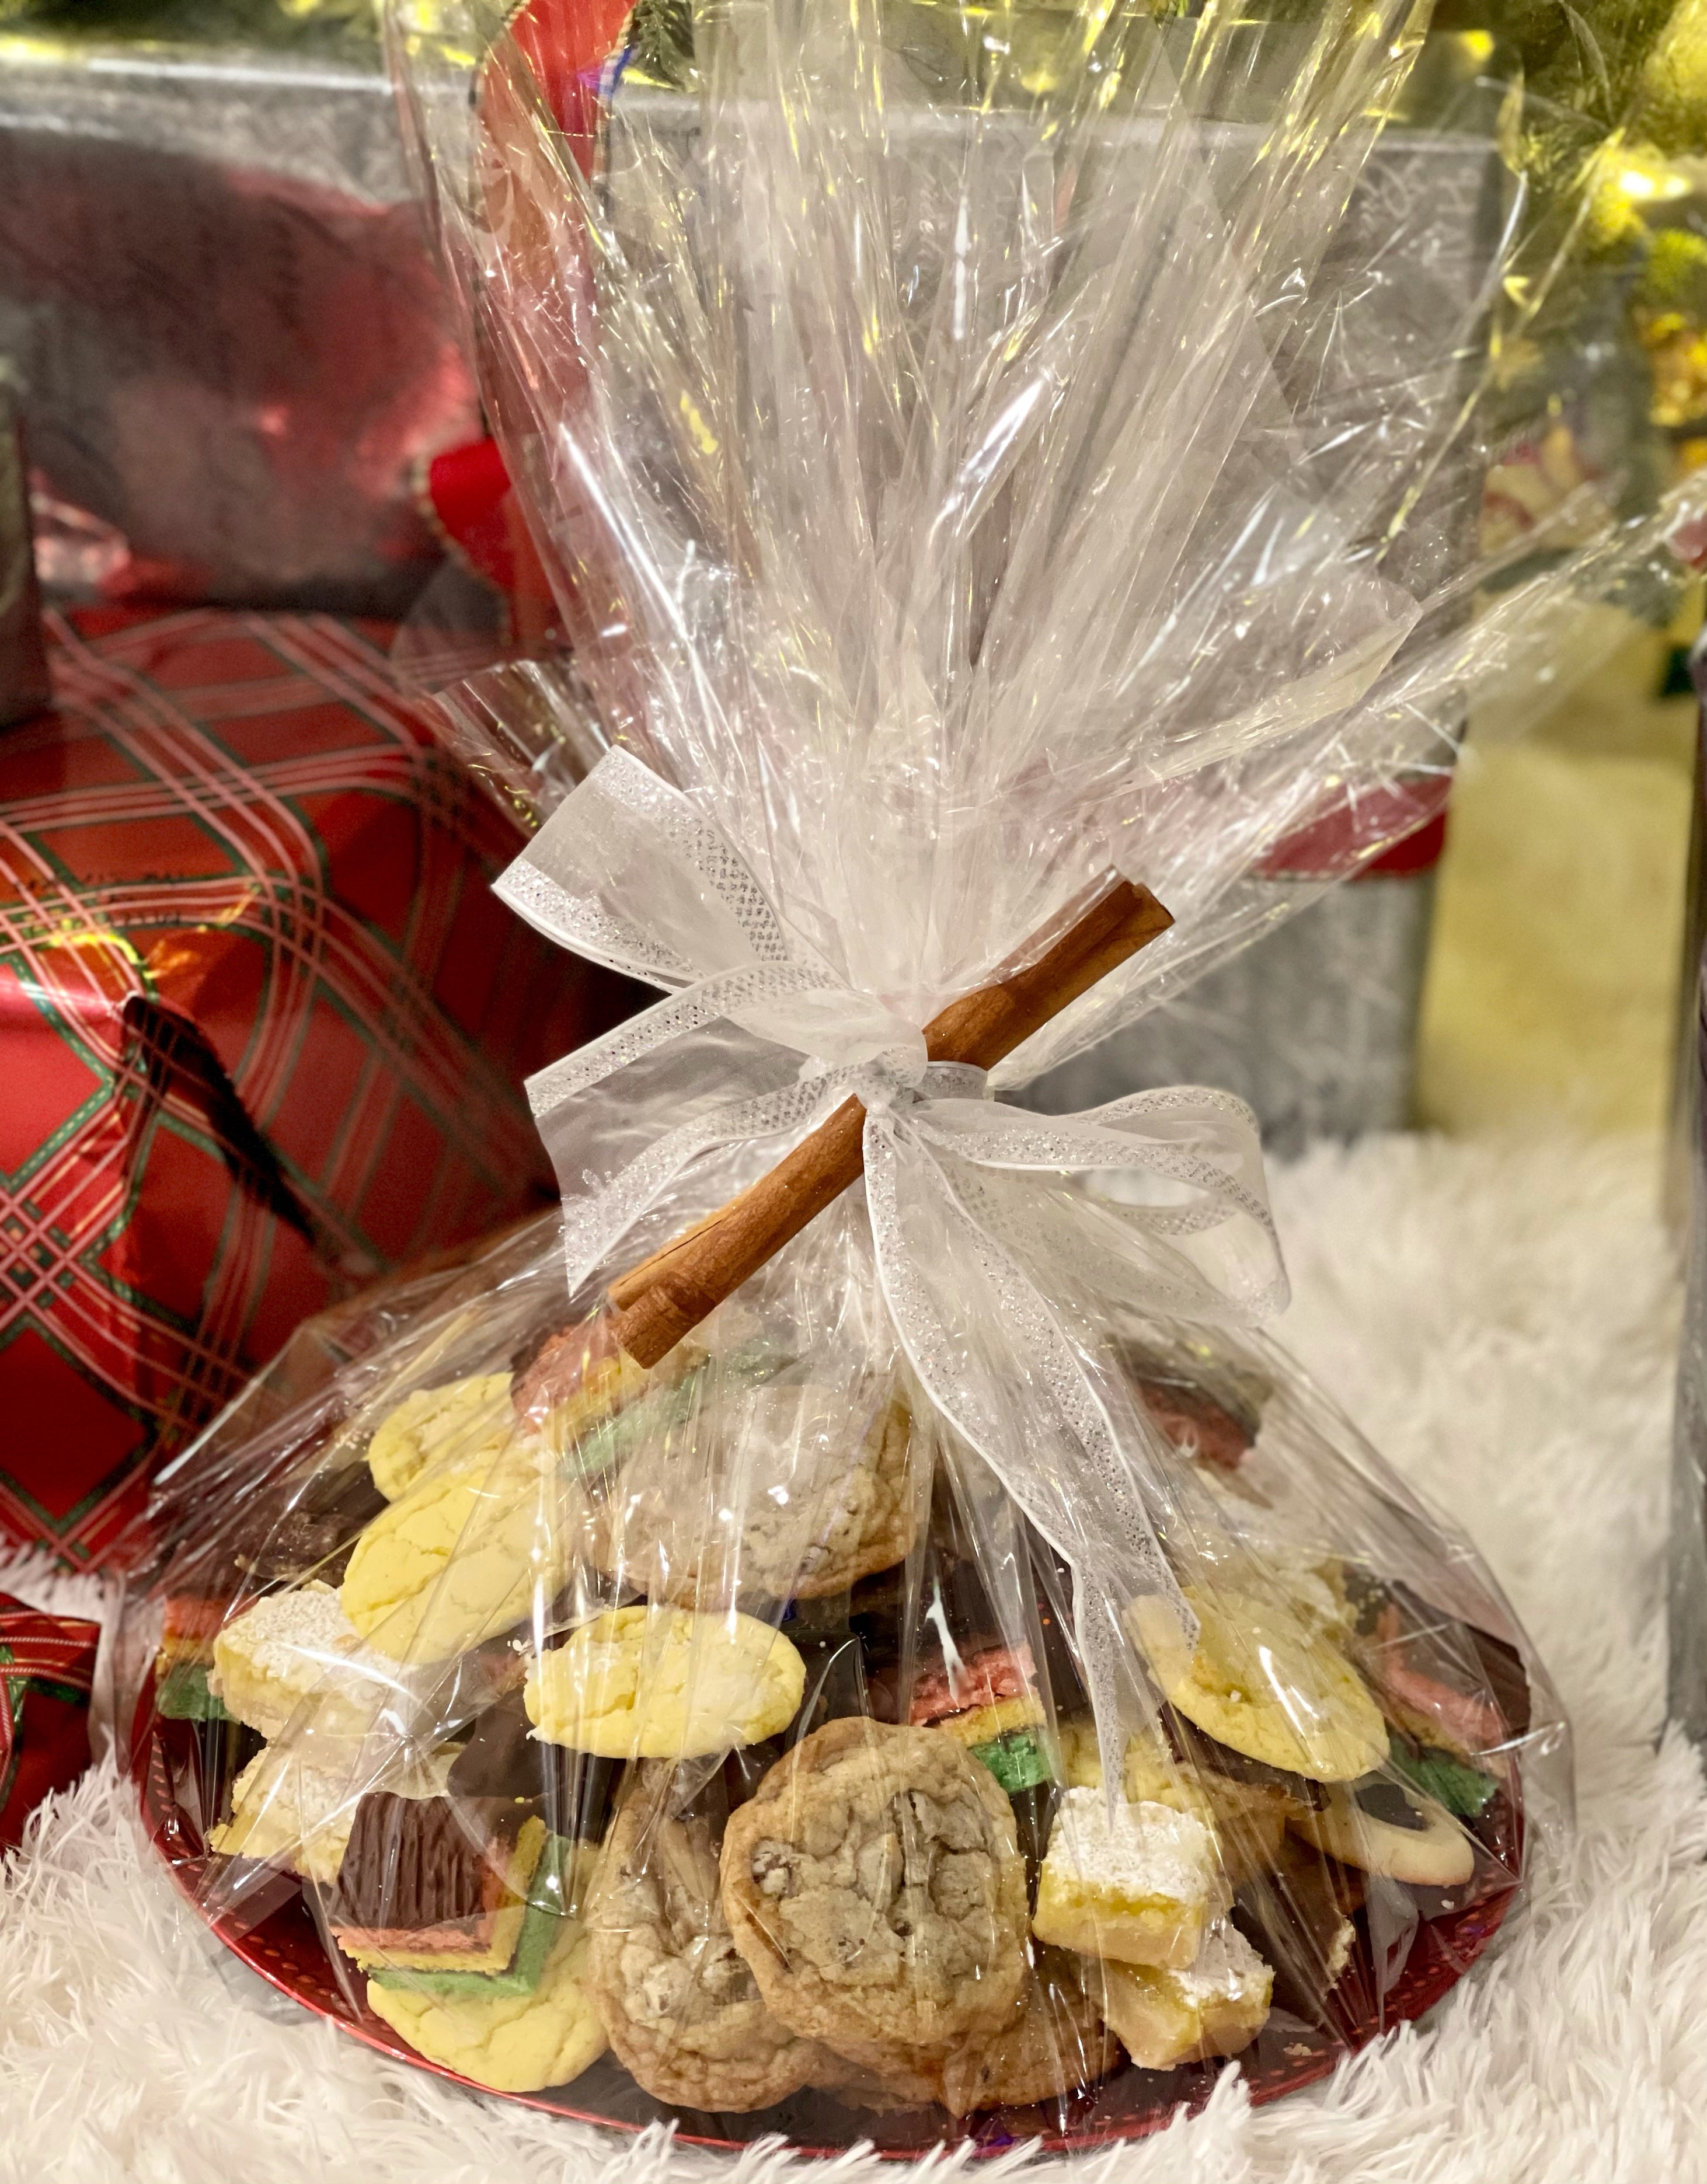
<point x="290" y="1647"/>
<point x="1138" y="1885"/>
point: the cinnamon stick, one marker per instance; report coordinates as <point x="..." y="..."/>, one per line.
<point x="670" y="1292"/>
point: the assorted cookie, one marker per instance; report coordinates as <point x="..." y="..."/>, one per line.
<point x="662" y="1683"/>
<point x="875" y="1885"/>
<point x="747" y="1742"/>
<point x="680" y="2003"/>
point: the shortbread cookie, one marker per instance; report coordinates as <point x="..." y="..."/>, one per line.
<point x="874" y="1885"/>
<point x="1216" y="2005"/>
<point x="1055" y="2042"/>
<point x="1138" y="1885"/>
<point x="659" y="1683"/>
<point x="1261" y="1681"/>
<point x="288" y="1648"/>
<point x="683" y="2009"/>
<point x="512" y="2043"/>
<point x="459" y="1558"/>
<point x="1385" y="1827"/>
<point x="461" y="1420"/>
<point x="780" y="1490"/>
<point x="300" y="1816"/>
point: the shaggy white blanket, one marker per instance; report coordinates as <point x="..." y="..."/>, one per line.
<point x="1502" y="1321"/>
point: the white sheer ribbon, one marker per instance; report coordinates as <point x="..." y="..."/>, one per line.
<point x="982" y="1242"/>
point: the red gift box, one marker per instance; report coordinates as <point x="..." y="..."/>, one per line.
<point x="263" y="1029"/>
<point x="46" y="1670"/>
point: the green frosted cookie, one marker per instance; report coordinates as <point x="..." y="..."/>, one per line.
<point x="182" y="1695"/>
<point x="1465" y="1790"/>
<point x="1018" y="1761"/>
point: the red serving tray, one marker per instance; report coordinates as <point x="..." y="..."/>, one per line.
<point x="286" y="1949"/>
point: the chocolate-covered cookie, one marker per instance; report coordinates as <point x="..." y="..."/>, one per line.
<point x="573" y="1791"/>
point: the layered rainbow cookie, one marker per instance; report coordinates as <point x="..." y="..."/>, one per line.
<point x="988" y="1701"/>
<point x="429" y="1885"/>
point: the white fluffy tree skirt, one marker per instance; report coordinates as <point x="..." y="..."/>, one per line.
<point x="1502" y="1323"/>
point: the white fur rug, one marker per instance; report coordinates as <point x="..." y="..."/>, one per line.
<point x="1502" y="1321"/>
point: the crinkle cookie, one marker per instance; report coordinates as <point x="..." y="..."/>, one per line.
<point x="290" y="1647"/>
<point x="875" y="1885"/>
<point x="457" y="1559"/>
<point x="780" y="1490"/>
<point x="464" y="1418"/>
<point x="1055" y="2042"/>
<point x="682" y="2007"/>
<point x="514" y="2043"/>
<point x="657" y="1683"/>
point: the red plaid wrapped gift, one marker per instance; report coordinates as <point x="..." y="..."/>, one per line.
<point x="46" y="1670"/>
<point x="263" y="1027"/>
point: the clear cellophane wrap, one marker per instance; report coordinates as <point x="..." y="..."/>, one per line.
<point x="968" y="1680"/>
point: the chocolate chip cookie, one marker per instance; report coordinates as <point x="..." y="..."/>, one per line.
<point x="681" y="2007"/>
<point x="778" y="1491"/>
<point x="875" y="1885"/>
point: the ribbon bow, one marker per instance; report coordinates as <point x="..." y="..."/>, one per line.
<point x="1007" y="1243"/>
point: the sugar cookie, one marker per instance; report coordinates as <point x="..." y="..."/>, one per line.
<point x="1262" y="1682"/>
<point x="457" y="1559"/>
<point x="661" y="1683"/>
<point x="512" y="2043"/>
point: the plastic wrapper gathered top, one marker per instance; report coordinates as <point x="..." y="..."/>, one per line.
<point x="882" y="1644"/>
